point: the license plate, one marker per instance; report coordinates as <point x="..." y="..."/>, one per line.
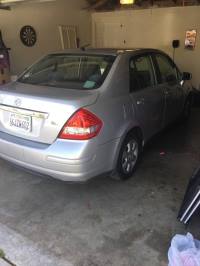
<point x="19" y="121"/>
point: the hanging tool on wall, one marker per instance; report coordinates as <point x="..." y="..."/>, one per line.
<point x="175" y="45"/>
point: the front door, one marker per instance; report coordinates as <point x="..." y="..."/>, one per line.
<point x="147" y="97"/>
<point x="169" y="82"/>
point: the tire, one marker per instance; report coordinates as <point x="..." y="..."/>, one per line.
<point x="128" y="157"/>
<point x="187" y="109"/>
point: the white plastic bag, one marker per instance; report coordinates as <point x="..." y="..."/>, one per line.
<point x="184" y="251"/>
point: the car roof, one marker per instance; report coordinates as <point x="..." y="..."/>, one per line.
<point x="106" y="51"/>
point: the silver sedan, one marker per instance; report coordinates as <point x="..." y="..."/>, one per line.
<point x="78" y="114"/>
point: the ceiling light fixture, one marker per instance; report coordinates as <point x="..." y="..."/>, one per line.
<point x="127" y="2"/>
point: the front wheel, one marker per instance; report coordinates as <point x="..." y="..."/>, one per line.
<point x="128" y="157"/>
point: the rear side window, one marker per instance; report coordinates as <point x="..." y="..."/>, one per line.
<point x="141" y="73"/>
<point x="167" y="69"/>
<point x="69" y="71"/>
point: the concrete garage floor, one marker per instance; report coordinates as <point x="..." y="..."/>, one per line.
<point x="45" y="222"/>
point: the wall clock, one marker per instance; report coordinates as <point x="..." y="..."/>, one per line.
<point x="28" y="36"/>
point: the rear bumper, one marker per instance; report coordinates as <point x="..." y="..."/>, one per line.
<point x="67" y="160"/>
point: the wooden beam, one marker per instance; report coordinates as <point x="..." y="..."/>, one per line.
<point x="98" y="4"/>
<point x="2" y="7"/>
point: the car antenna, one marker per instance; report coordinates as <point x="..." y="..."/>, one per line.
<point x="83" y="48"/>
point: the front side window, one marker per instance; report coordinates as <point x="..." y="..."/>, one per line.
<point x="141" y="73"/>
<point x="69" y="71"/>
<point x="167" y="69"/>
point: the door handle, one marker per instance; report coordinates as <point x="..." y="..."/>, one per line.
<point x="140" y="101"/>
<point x="167" y="92"/>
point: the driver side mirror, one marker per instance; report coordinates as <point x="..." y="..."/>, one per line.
<point x="186" y="76"/>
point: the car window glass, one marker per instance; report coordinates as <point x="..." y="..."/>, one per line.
<point x="141" y="73"/>
<point x="69" y="71"/>
<point x="168" y="71"/>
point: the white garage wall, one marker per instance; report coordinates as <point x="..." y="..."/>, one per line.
<point x="45" y="18"/>
<point x="151" y="28"/>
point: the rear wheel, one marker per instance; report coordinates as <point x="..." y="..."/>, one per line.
<point x="128" y="157"/>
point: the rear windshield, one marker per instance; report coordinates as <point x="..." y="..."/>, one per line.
<point x="69" y="71"/>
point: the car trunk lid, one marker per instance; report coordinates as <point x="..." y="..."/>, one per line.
<point x="38" y="113"/>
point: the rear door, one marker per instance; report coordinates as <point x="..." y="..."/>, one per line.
<point x="168" y="78"/>
<point x="147" y="97"/>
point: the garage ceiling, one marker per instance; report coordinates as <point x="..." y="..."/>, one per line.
<point x="5" y="4"/>
<point x="113" y="4"/>
<point x="17" y="1"/>
<point x="110" y="4"/>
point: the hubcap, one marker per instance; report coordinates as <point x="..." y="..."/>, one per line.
<point x="129" y="156"/>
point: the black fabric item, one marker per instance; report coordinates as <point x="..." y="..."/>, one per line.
<point x="191" y="191"/>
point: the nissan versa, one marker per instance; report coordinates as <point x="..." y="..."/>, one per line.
<point x="77" y="114"/>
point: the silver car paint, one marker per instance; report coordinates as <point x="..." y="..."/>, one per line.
<point x="120" y="111"/>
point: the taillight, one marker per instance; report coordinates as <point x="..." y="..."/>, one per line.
<point x="82" y="125"/>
